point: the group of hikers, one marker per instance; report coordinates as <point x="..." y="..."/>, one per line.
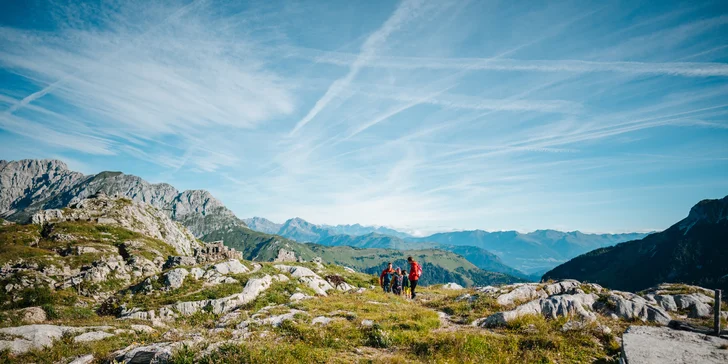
<point x="397" y="281"/>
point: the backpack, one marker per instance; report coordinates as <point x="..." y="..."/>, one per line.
<point x="416" y="271"/>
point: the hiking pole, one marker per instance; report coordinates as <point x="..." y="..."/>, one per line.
<point x="716" y="312"/>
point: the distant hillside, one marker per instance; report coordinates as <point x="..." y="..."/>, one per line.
<point x="531" y="252"/>
<point x="438" y="266"/>
<point x="693" y="251"/>
<point x="481" y="258"/>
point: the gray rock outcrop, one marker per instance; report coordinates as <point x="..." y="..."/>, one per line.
<point x="656" y="345"/>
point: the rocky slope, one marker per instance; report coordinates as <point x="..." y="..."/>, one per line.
<point x="693" y="251"/>
<point x="28" y="186"/>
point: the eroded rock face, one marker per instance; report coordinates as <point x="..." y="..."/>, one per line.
<point x="308" y="277"/>
<point x="175" y="278"/>
<point x="568" y="299"/>
<point x="135" y="216"/>
<point x="630" y="306"/>
<point x="251" y="291"/>
<point x="656" y="345"/>
<point x="578" y="305"/>
<point x="39" y="336"/>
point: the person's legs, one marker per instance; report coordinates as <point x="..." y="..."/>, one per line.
<point x="413" y="285"/>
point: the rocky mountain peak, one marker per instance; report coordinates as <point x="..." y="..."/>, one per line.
<point x="29" y="186"/>
<point x="123" y="212"/>
<point x="711" y="211"/>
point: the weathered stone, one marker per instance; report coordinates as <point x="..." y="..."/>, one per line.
<point x="667" y="302"/>
<point x="577" y="305"/>
<point x="135" y="216"/>
<point x="232" y="266"/>
<point x="86" y="359"/>
<point x="630" y="306"/>
<point x="285" y="256"/>
<point x="321" y="320"/>
<point x="176" y="261"/>
<point x="197" y="272"/>
<point x="452" y="286"/>
<point x="175" y="278"/>
<point x="33" y="315"/>
<point x="700" y="310"/>
<point x="33" y="336"/>
<point x="654" y="345"/>
<point x="142" y="329"/>
<point x="149" y="354"/>
<point x="92" y="336"/>
<point x="521" y="293"/>
<point x="308" y="277"/>
<point x="367" y="323"/>
<point x="298" y="297"/>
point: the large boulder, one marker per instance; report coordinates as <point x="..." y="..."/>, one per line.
<point x="308" y="277"/>
<point x="630" y="306"/>
<point x="577" y="305"/>
<point x="656" y="345"/>
<point x="521" y="293"/>
<point x="33" y="315"/>
<point x="175" y="278"/>
<point x="232" y="266"/>
<point x="452" y="286"/>
<point x="154" y="353"/>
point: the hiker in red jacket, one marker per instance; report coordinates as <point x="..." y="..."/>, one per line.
<point x="385" y="279"/>
<point x="414" y="276"/>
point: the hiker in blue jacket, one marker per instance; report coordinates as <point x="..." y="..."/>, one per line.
<point x="385" y="279"/>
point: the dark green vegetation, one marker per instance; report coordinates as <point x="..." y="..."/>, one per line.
<point x="693" y="251"/>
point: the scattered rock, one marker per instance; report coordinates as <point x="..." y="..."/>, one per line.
<point x="577" y="305"/>
<point x="452" y="286"/>
<point x="700" y="310"/>
<point x="520" y="293"/>
<point x="92" y="336"/>
<point x="322" y="320"/>
<point x="367" y="323"/>
<point x="630" y="306"/>
<point x="155" y="353"/>
<point x="142" y="329"/>
<point x="653" y="345"/>
<point x="86" y="359"/>
<point x="33" y="315"/>
<point x="175" y="278"/>
<point x="231" y="266"/>
<point x="298" y="297"/>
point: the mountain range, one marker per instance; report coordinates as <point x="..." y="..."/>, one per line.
<point x="533" y="253"/>
<point x="692" y="251"/>
<point x="30" y="186"/>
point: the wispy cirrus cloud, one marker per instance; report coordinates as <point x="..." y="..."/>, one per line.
<point x="425" y="115"/>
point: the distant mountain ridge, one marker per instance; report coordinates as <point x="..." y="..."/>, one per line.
<point x="304" y="231"/>
<point x="534" y="252"/>
<point x="692" y="251"/>
<point x="531" y="252"/>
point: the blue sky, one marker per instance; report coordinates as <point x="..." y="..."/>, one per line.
<point x="420" y="115"/>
